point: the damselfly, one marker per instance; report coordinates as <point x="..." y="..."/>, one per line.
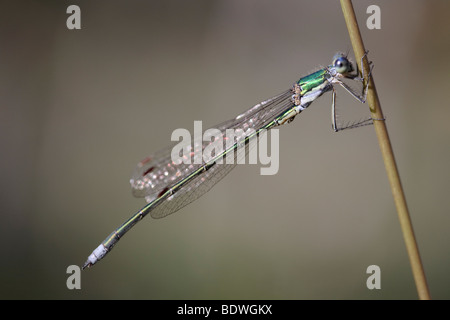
<point x="168" y="186"/>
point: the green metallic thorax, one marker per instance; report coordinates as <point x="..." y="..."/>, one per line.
<point x="316" y="80"/>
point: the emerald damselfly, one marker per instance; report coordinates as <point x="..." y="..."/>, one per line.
<point x="168" y="186"/>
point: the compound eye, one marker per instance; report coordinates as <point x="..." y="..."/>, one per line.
<point x="342" y="65"/>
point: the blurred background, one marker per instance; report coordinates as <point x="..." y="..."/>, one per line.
<point x="80" y="108"/>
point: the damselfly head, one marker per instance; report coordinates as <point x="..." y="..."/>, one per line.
<point x="342" y="64"/>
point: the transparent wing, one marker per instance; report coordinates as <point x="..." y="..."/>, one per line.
<point x="157" y="174"/>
